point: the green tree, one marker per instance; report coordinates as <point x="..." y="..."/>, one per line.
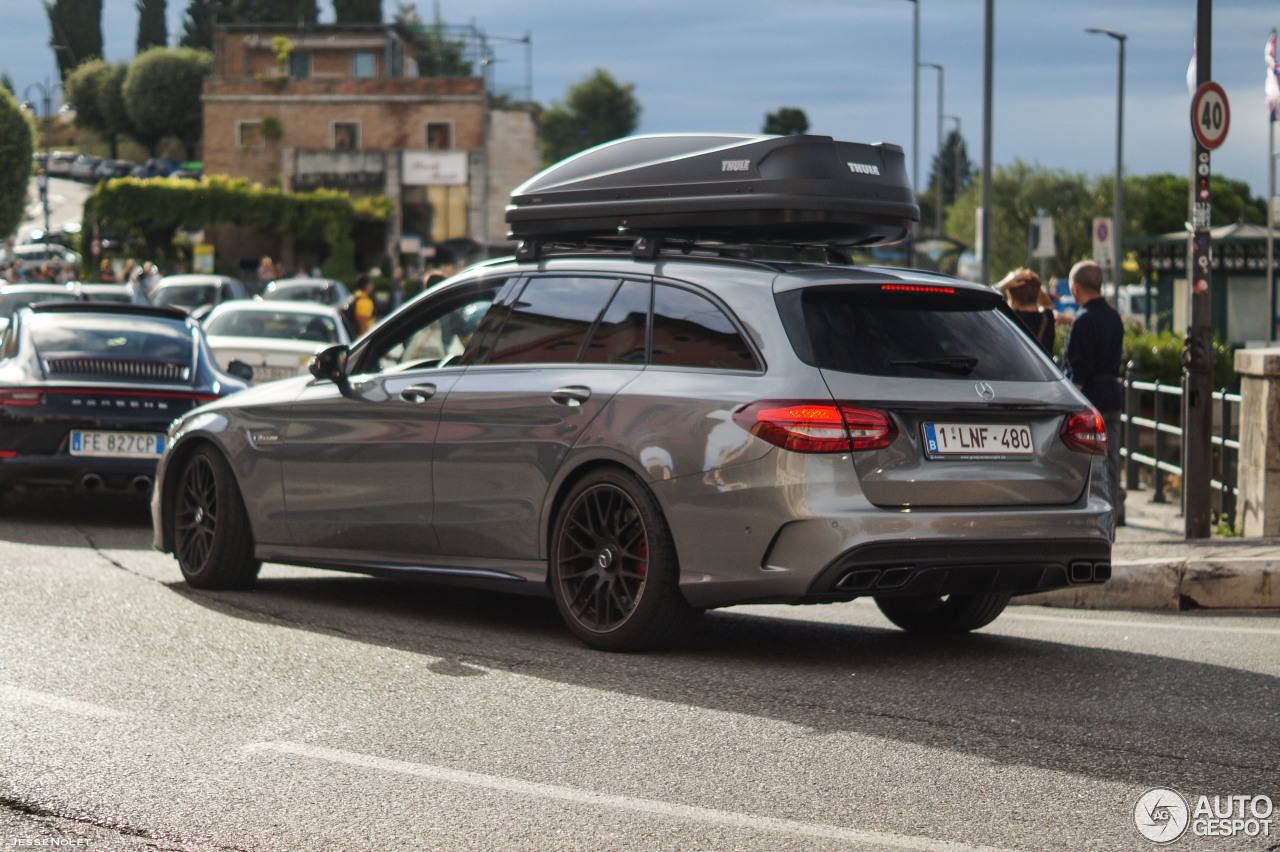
<point x="787" y="121"/>
<point x="596" y="110"/>
<point x="199" y="20"/>
<point x="153" y="30"/>
<point x="75" y="28"/>
<point x="162" y="95"/>
<point x="6" y="82"/>
<point x="1018" y="193"/>
<point x="17" y="135"/>
<point x="438" y="54"/>
<point x="81" y="92"/>
<point x="357" y="11"/>
<point x="274" y="12"/>
<point x="111" y="105"/>
<point x="1157" y="204"/>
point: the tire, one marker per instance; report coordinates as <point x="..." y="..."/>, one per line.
<point x="613" y="568"/>
<point x="950" y="614"/>
<point x="211" y="535"/>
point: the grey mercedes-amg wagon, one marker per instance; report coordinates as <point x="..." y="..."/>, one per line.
<point x="649" y="430"/>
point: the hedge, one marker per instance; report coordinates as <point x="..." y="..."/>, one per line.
<point x="156" y="207"/>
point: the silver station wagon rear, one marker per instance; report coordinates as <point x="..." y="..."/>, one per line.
<point x="641" y="423"/>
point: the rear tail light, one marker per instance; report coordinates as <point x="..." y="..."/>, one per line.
<point x="1085" y="433"/>
<point x="816" y="426"/>
<point x="19" y="397"/>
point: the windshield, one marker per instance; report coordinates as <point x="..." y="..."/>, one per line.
<point x="280" y="325"/>
<point x="910" y="335"/>
<point x="111" y="336"/>
<point x="190" y="296"/>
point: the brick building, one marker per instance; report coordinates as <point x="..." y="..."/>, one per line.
<point x="342" y="106"/>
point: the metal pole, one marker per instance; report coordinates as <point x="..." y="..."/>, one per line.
<point x="937" y="217"/>
<point x="1117" y="222"/>
<point x="988" y="47"/>
<point x="915" y="95"/>
<point x="1271" y="217"/>
<point x="1197" y="402"/>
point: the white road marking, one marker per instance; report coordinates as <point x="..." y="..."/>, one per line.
<point x="1129" y="623"/>
<point x="18" y="695"/>
<point x="730" y="819"/>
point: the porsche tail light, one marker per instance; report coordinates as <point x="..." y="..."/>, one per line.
<point x="18" y="397"/>
<point x="817" y="426"/>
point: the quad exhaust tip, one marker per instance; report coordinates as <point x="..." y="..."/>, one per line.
<point x="91" y="482"/>
<point x="141" y="484"/>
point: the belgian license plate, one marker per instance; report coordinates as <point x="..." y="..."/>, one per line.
<point x="120" y="445"/>
<point x="978" y="439"/>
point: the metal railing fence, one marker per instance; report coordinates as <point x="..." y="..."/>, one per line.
<point x="1164" y="426"/>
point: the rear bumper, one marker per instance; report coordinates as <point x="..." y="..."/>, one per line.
<point x="125" y="476"/>
<point x="905" y="569"/>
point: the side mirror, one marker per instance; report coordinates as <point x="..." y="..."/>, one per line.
<point x="240" y="370"/>
<point x="330" y="363"/>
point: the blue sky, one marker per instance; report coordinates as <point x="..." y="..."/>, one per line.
<point x="720" y="65"/>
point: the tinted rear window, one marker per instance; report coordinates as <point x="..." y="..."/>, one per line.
<point x="910" y="335"/>
<point x="111" y="336"/>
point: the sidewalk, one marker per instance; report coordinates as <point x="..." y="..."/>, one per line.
<point x="1154" y="568"/>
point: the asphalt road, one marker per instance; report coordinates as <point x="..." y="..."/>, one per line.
<point x="66" y="205"/>
<point x="325" y="711"/>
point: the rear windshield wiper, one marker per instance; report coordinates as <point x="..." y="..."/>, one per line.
<point x="959" y="365"/>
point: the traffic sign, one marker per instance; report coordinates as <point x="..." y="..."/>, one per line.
<point x="1103" y="242"/>
<point x="1210" y="115"/>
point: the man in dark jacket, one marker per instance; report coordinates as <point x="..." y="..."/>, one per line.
<point x="1092" y="358"/>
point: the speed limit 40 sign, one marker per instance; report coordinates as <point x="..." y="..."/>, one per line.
<point x="1210" y="115"/>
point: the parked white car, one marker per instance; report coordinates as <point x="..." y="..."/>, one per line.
<point x="276" y="339"/>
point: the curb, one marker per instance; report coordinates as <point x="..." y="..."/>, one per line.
<point x="1171" y="585"/>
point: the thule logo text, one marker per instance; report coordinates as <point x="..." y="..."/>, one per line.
<point x="863" y="168"/>
<point x="735" y="165"/>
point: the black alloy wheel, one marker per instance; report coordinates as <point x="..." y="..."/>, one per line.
<point x="211" y="536"/>
<point x="949" y="614"/>
<point x="614" y="572"/>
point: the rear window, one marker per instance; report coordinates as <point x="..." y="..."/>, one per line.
<point x="910" y="335"/>
<point x="190" y="296"/>
<point x="278" y="325"/>
<point x="110" y="336"/>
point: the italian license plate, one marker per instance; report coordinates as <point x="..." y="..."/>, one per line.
<point x="978" y="439"/>
<point x="271" y="374"/>
<point x="120" y="445"/>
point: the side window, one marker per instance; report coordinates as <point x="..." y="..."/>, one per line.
<point x="439" y="136"/>
<point x="249" y="134"/>
<point x="619" y="337"/>
<point x="550" y="320"/>
<point x="436" y="335"/>
<point x="691" y="331"/>
<point x="364" y="64"/>
<point x="299" y="63"/>
<point x="346" y="136"/>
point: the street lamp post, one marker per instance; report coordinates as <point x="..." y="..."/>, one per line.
<point x="915" y="113"/>
<point x="955" y="159"/>
<point x="1117" y="224"/>
<point x="47" y="91"/>
<point x="937" y="206"/>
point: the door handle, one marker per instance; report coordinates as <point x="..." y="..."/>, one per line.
<point x="418" y="393"/>
<point x="572" y="396"/>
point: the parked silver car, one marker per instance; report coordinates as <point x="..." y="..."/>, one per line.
<point x="645" y="434"/>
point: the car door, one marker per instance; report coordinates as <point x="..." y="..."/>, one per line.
<point x="510" y="420"/>
<point x="357" y="462"/>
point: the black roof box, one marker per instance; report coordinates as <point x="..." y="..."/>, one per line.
<point x="794" y="190"/>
